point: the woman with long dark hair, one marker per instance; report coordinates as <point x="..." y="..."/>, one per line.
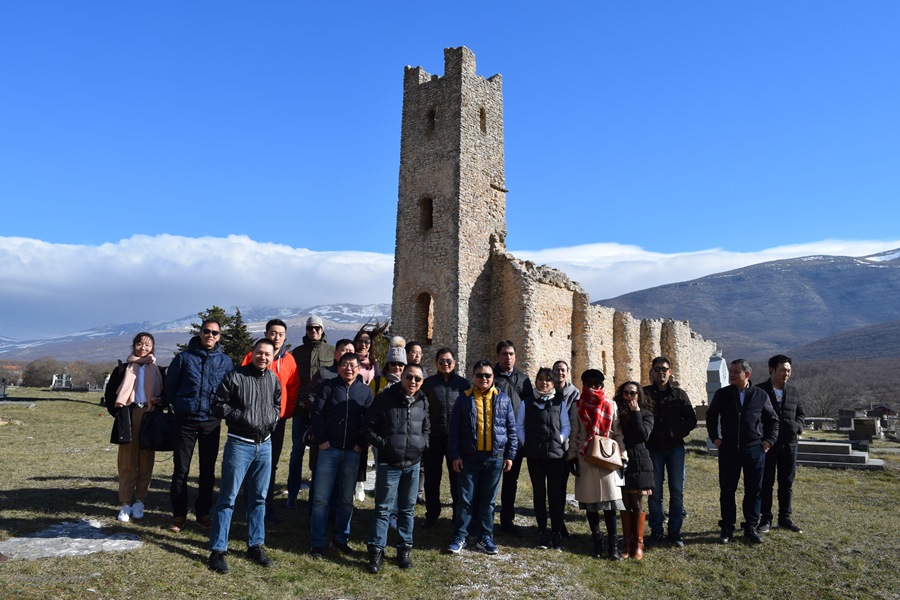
<point x="140" y="391"/>
<point x="636" y="416"/>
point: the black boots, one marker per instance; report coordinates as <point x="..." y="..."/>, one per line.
<point x="404" y="557"/>
<point x="376" y="557"/>
<point x="598" y="544"/>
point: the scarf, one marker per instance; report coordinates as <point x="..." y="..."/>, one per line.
<point x="596" y="414"/>
<point x="152" y="380"/>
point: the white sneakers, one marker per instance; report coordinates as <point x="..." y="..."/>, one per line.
<point x="125" y="513"/>
<point x="360" y="494"/>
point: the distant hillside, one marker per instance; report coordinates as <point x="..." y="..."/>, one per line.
<point x="871" y="342"/>
<point x="111" y="342"/>
<point x="774" y="306"/>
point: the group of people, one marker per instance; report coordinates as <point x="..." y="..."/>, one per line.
<point x="342" y="402"/>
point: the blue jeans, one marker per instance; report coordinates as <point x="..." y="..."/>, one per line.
<point x="732" y="461"/>
<point x="671" y="460"/>
<point x="299" y="425"/>
<point x="335" y="472"/>
<point x="242" y="461"/>
<point x="395" y="488"/>
<point x="479" y="479"/>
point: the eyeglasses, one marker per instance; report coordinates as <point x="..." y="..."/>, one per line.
<point x="364" y="342"/>
<point x="660" y="369"/>
<point x="212" y="332"/>
<point x="484" y="375"/>
<point x="313" y="328"/>
<point x="415" y="378"/>
<point x="629" y="392"/>
<point x="351" y="366"/>
<point x="445" y="361"/>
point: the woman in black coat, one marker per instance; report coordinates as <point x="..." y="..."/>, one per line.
<point x="636" y="418"/>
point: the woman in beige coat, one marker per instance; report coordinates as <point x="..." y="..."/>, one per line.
<point x="596" y="489"/>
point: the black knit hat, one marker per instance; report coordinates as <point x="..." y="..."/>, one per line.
<point x="592" y="375"/>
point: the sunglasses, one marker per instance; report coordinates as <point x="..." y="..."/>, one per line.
<point x="364" y="342"/>
<point x="660" y="369"/>
<point x="212" y="332"/>
<point x="314" y="328"/>
<point x="415" y="378"/>
<point x="445" y="361"/>
<point x="629" y="392"/>
<point x="484" y="375"/>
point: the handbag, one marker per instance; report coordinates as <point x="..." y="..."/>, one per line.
<point x="121" y="429"/>
<point x="158" y="431"/>
<point x="604" y="453"/>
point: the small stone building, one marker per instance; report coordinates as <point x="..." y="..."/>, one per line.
<point x="455" y="284"/>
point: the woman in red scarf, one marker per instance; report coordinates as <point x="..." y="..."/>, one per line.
<point x="596" y="489"/>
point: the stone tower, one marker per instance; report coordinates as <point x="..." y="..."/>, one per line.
<point x="451" y="209"/>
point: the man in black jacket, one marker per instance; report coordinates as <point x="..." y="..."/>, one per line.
<point x="249" y="400"/>
<point x="782" y="458"/>
<point x="442" y="390"/>
<point x="515" y="384"/>
<point x="397" y="426"/>
<point x="673" y="419"/>
<point x="338" y="416"/>
<point x="743" y="425"/>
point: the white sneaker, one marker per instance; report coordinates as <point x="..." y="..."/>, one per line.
<point x="137" y="510"/>
<point x="124" y="513"/>
<point x="360" y="492"/>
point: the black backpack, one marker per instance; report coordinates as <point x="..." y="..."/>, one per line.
<point x="112" y="387"/>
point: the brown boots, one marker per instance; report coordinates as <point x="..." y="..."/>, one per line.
<point x="633" y="532"/>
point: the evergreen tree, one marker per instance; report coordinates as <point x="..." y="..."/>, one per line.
<point x="236" y="340"/>
<point x="217" y="313"/>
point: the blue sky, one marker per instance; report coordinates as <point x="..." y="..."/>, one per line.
<point x="211" y="150"/>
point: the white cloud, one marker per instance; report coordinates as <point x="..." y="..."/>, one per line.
<point x="53" y="289"/>
<point x="610" y="270"/>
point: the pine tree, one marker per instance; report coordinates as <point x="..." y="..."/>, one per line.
<point x="236" y="340"/>
<point x="217" y="313"/>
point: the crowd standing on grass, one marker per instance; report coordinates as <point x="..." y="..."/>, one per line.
<point x="479" y="430"/>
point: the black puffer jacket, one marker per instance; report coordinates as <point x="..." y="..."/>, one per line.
<point x="250" y="402"/>
<point x="673" y="415"/>
<point x="442" y="394"/>
<point x="339" y="413"/>
<point x="636" y="428"/>
<point x="398" y="427"/>
<point x="741" y="426"/>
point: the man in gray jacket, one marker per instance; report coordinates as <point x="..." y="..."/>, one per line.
<point x="249" y="400"/>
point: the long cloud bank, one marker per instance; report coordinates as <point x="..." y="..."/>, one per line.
<point x="49" y="289"/>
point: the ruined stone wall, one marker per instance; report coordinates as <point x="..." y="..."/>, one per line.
<point x="651" y="346"/>
<point x="627" y="352"/>
<point x="690" y="355"/>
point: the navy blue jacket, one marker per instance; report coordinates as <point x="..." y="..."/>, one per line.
<point x="339" y="412"/>
<point x="193" y="378"/>
<point x="463" y="424"/>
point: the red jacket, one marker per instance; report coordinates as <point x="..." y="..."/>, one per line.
<point x="285" y="367"/>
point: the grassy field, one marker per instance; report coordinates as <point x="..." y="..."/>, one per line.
<point x="57" y="465"/>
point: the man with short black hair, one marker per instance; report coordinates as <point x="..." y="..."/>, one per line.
<point x="191" y="382"/>
<point x="338" y="417"/>
<point x="442" y="390"/>
<point x="397" y="427"/>
<point x="673" y="420"/>
<point x="742" y="424"/>
<point x="285" y="369"/>
<point x="483" y="444"/>
<point x="515" y="384"/>
<point x="249" y="400"/>
<point x="782" y="458"/>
